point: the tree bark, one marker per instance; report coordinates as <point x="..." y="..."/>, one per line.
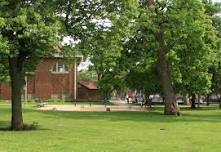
<point x="207" y="99"/>
<point x="171" y="107"/>
<point x="193" y="101"/>
<point x="17" y="78"/>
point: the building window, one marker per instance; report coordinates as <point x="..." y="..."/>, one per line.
<point x="60" y="68"/>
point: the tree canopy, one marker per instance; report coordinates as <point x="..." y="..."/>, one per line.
<point x="163" y="46"/>
<point x="28" y="31"/>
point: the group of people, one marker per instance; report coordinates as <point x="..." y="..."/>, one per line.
<point x="144" y="99"/>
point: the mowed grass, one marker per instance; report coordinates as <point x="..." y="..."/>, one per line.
<point x="195" y="131"/>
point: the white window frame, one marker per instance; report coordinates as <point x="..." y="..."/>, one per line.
<point x="60" y="68"/>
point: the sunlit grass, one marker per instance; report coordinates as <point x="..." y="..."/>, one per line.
<point x="195" y="131"/>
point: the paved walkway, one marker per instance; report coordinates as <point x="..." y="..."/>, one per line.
<point x="94" y="108"/>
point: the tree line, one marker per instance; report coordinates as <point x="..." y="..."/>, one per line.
<point x="173" y="48"/>
<point x="166" y="46"/>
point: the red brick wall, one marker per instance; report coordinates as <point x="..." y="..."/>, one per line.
<point x="84" y="93"/>
<point x="5" y="91"/>
<point x="44" y="84"/>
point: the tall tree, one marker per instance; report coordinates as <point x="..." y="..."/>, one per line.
<point x="182" y="39"/>
<point x="197" y="45"/>
<point x="157" y="17"/>
<point x="29" y="31"/>
<point x="99" y="27"/>
<point x="213" y="10"/>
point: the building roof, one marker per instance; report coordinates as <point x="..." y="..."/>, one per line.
<point x="59" y="53"/>
<point x="91" y="85"/>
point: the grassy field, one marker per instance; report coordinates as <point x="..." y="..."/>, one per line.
<point x="195" y="131"/>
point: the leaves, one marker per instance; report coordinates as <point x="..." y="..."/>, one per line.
<point x="25" y="32"/>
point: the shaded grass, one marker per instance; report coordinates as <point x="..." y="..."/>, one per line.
<point x="197" y="130"/>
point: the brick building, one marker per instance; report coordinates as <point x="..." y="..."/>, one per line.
<point x="52" y="80"/>
<point x="88" y="90"/>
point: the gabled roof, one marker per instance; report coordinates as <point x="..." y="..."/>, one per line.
<point x="91" y="85"/>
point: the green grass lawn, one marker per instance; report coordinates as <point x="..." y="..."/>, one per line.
<point x="195" y="131"/>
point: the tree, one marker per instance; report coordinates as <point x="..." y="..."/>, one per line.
<point x="82" y="19"/>
<point x="99" y="27"/>
<point x="105" y="50"/>
<point x="180" y="38"/>
<point x="28" y="31"/>
<point x="215" y="70"/>
<point x="157" y="15"/>
<point x="138" y="61"/>
<point x="88" y="74"/>
<point x="212" y="9"/>
<point x="3" y="74"/>
<point x="193" y="48"/>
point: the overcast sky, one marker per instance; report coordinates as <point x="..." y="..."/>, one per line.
<point x="217" y="0"/>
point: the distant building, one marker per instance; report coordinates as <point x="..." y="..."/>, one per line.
<point x="88" y="90"/>
<point x="53" y="79"/>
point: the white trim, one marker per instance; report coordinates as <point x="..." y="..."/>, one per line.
<point x="59" y="68"/>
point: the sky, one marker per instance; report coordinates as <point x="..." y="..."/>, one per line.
<point x="217" y="0"/>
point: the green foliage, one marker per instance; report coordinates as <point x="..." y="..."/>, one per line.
<point x="190" y="38"/>
<point x="215" y="68"/>
<point x="85" y="75"/>
<point x="119" y="38"/>
<point x="191" y="42"/>
<point x="81" y="18"/>
<point x="107" y="24"/>
<point x="3" y="74"/>
<point x="27" y="31"/>
<point x="139" y="63"/>
<point x="211" y="7"/>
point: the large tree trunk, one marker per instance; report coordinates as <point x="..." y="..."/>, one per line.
<point x="171" y="107"/>
<point x="207" y="99"/>
<point x="193" y="101"/>
<point x="17" y="78"/>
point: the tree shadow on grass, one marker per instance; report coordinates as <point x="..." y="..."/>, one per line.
<point x="200" y="108"/>
<point x="154" y="116"/>
<point x="5" y="126"/>
<point x="8" y="129"/>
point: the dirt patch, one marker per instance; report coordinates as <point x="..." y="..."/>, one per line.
<point x="93" y="108"/>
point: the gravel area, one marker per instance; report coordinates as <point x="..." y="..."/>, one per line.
<point x="93" y="108"/>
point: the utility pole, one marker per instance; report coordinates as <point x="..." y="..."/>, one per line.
<point x="75" y="80"/>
